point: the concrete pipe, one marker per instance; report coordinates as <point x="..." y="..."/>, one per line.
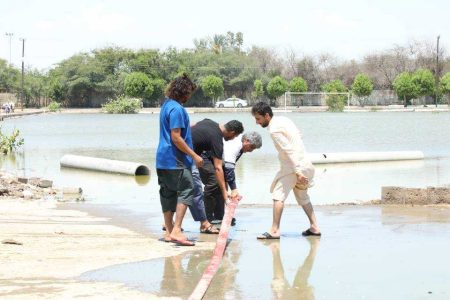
<point x="104" y="165"/>
<point x="353" y="157"/>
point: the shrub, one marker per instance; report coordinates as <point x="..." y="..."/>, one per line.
<point x="10" y="143"/>
<point x="335" y="102"/>
<point x="54" y="106"/>
<point x="122" y="105"/>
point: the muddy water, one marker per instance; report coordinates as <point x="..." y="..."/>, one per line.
<point x="364" y="253"/>
<point x="135" y="138"/>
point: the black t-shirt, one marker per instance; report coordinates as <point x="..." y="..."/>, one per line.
<point x="207" y="136"/>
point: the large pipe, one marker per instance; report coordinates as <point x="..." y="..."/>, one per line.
<point x="352" y="157"/>
<point x="102" y="164"/>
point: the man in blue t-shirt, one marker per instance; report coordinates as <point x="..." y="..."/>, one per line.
<point x="174" y="159"/>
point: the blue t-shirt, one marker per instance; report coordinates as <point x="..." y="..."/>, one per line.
<point x="168" y="156"/>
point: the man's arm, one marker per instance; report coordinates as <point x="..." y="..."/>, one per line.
<point x="230" y="178"/>
<point x="180" y="143"/>
<point x="220" y="177"/>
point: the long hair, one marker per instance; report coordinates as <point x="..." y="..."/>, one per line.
<point x="180" y="88"/>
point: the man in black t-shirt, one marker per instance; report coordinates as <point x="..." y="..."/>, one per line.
<point x="208" y="136"/>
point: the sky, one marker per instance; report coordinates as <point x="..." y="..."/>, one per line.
<point x="348" y="29"/>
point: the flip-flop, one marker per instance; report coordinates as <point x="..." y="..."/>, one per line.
<point x="308" y="232"/>
<point x="209" y="230"/>
<point x="267" y="236"/>
<point x="163" y="240"/>
<point x="182" y="242"/>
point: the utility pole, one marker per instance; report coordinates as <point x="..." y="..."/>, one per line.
<point x="23" y="60"/>
<point x="437" y="71"/>
<point x="9" y="34"/>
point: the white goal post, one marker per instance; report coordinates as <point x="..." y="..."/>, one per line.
<point x="314" y="93"/>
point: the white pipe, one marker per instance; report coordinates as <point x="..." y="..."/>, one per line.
<point x="105" y="165"/>
<point x="351" y="157"/>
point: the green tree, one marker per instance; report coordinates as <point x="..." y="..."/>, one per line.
<point x="405" y="88"/>
<point x="137" y="84"/>
<point x="212" y="86"/>
<point x="159" y="86"/>
<point x="9" y="77"/>
<point x="35" y="88"/>
<point x="57" y="91"/>
<point x="362" y="87"/>
<point x="445" y="86"/>
<point x="276" y="87"/>
<point x="258" y="89"/>
<point x="425" y="82"/>
<point x="335" y="102"/>
<point x="298" y="85"/>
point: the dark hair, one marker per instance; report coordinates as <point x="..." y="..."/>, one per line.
<point x="262" y="108"/>
<point x="180" y="88"/>
<point x="236" y="126"/>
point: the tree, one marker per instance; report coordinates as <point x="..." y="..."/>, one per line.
<point x="258" y="89"/>
<point x="335" y="102"/>
<point x="137" y="84"/>
<point x="405" y="88"/>
<point x="218" y="42"/>
<point x="9" y="77"/>
<point x="212" y="86"/>
<point x="362" y="87"/>
<point x="298" y="85"/>
<point x="425" y="82"/>
<point x="159" y="86"/>
<point x="445" y="85"/>
<point x="277" y="87"/>
<point x="239" y="38"/>
<point x="57" y="91"/>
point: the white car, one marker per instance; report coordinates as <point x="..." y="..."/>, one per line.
<point x="232" y="102"/>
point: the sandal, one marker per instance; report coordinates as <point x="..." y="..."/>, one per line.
<point x="210" y="230"/>
<point x="267" y="236"/>
<point x="310" y="233"/>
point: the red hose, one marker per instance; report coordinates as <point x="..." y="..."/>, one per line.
<point x="219" y="250"/>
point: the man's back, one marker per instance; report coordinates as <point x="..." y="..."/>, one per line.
<point x="207" y="136"/>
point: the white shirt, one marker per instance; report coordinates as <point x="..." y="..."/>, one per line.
<point x="291" y="151"/>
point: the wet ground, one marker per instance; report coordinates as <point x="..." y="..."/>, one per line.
<point x="366" y="252"/>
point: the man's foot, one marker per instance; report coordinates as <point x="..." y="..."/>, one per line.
<point x="209" y="230"/>
<point x="183" y="242"/>
<point x="268" y="236"/>
<point x="310" y="232"/>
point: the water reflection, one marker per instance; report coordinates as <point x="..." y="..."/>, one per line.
<point x="175" y="276"/>
<point x="300" y="288"/>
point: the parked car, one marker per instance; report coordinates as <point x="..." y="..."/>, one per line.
<point x="232" y="102"/>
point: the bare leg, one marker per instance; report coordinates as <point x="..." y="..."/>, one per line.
<point x="168" y="223"/>
<point x="278" y="207"/>
<point x="308" y="208"/>
<point x="176" y="233"/>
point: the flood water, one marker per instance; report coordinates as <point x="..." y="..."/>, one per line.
<point x="135" y="138"/>
<point x="365" y="253"/>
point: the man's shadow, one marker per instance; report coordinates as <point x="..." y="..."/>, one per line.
<point x="300" y="288"/>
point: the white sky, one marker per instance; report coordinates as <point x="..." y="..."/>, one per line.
<point x="55" y="30"/>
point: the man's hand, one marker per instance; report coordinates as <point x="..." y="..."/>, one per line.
<point x="302" y="180"/>
<point x="198" y="160"/>
<point x="235" y="195"/>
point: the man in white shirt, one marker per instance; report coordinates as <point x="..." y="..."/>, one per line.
<point x="296" y="171"/>
<point x="232" y="151"/>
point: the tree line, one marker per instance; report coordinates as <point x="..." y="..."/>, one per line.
<point x="222" y="68"/>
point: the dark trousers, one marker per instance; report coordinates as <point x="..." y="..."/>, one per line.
<point x="212" y="195"/>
